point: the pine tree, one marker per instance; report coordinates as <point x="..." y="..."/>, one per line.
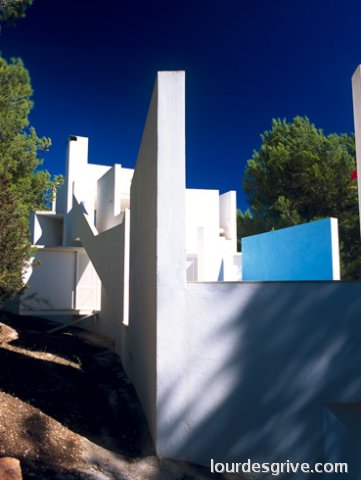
<point x="24" y="187"/>
<point x="11" y="10"/>
<point x="299" y="174"/>
<point x="14" y="244"/>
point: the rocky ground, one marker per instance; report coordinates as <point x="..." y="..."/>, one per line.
<point x="68" y="412"/>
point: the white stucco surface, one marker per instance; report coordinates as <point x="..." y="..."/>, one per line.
<point x="140" y="354"/>
<point x="260" y="364"/>
<point x="356" y="98"/>
<point x="46" y="229"/>
<point x="88" y="285"/>
<point x="112" y="197"/>
<point x="228" y="218"/>
<point x="62" y="280"/>
<point x="211" y="235"/>
<point x="106" y="252"/>
<point x="59" y="268"/>
<point x="81" y="179"/>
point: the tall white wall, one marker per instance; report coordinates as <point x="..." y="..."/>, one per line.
<point x="157" y="245"/>
<point x="76" y="165"/>
<point x="356" y="97"/>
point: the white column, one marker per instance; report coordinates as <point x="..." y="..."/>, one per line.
<point x="76" y="162"/>
<point x="356" y="97"/>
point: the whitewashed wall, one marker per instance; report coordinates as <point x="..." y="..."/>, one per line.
<point x="356" y="98"/>
<point x="157" y="232"/>
<point x="61" y="281"/>
<point x="78" y="169"/>
<point x="228" y="218"/>
<point x="112" y="197"/>
<point x="108" y="253"/>
<point x="258" y="369"/>
<point x="46" y="229"/>
<point x="211" y="235"/>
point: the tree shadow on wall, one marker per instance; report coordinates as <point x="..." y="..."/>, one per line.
<point x="264" y="370"/>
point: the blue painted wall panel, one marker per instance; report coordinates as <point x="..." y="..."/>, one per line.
<point x="303" y="252"/>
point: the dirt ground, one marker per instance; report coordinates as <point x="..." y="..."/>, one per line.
<point x="68" y="411"/>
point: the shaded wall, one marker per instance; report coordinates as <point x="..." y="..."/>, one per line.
<point x="106" y="251"/>
<point x="46" y="229"/>
<point x="262" y="363"/>
<point x="139" y="357"/>
<point x="157" y="241"/>
<point x="52" y="282"/>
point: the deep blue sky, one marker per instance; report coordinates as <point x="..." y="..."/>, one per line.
<point x="93" y="66"/>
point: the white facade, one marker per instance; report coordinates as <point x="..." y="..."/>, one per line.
<point x="211" y="236"/>
<point x="90" y="209"/>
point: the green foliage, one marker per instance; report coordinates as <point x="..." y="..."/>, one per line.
<point x="23" y="186"/>
<point x="299" y="174"/>
<point x="19" y="144"/>
<point x="14" y="246"/>
<point x="11" y="10"/>
<point x="249" y="223"/>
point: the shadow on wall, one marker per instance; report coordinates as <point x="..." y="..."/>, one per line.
<point x="33" y="301"/>
<point x="259" y="380"/>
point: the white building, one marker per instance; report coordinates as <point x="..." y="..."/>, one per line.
<point x="224" y="370"/>
<point x="79" y="241"/>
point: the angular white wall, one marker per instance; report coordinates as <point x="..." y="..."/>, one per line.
<point x="157" y="238"/>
